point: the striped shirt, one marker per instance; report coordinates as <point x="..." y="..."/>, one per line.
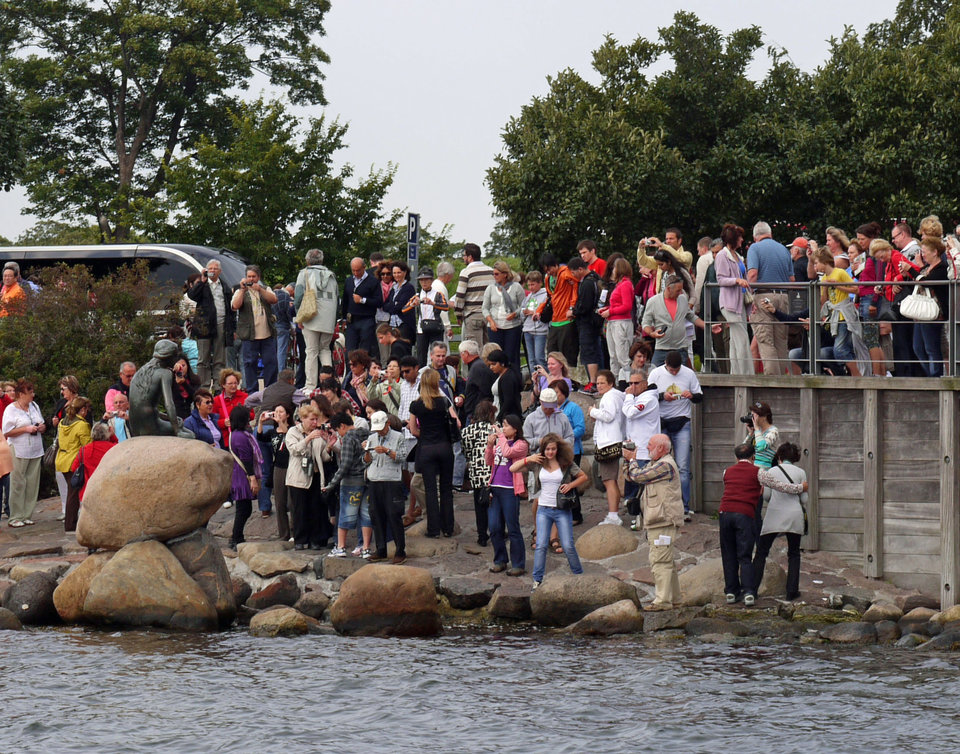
<point x="655" y="471"/>
<point x="474" y="280"/>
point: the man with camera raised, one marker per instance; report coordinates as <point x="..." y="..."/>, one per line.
<point x="256" y="328"/>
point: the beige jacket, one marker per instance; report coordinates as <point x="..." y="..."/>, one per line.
<point x="299" y="449"/>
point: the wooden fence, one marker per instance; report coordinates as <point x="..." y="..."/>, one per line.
<point x="882" y="457"/>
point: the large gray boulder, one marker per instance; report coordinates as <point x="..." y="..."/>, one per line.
<point x="201" y="557"/>
<point x="387" y="600"/>
<point x="563" y="599"/>
<point x="145" y="585"/>
<point x="623" y="617"/>
<point x="703" y="583"/>
<point x="152" y="488"/>
<point x="70" y="595"/>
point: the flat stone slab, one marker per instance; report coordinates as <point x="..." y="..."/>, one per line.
<point x="678" y="617"/>
<point x="27" y="550"/>
<point x="511" y="600"/>
<point x="55" y="568"/>
<point x="269" y="564"/>
<point x="339" y="568"/>
<point x="246" y="550"/>
<point x="465" y="593"/>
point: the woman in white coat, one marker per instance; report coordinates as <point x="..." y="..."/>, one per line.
<point x="608" y="441"/>
<point x="785" y="513"/>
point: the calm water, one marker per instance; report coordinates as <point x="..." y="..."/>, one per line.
<point x="70" y="690"/>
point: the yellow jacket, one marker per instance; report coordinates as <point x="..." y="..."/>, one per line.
<point x="683" y="257"/>
<point x="70" y="437"/>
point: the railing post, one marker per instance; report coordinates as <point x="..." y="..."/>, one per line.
<point x="813" y="333"/>
<point x="949" y="501"/>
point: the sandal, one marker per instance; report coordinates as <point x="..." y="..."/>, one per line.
<point x="16" y="524"/>
<point x="411" y="518"/>
<point x="533" y="539"/>
<point x="555" y="545"/>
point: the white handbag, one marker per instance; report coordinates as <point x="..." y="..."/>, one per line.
<point x="920" y="306"/>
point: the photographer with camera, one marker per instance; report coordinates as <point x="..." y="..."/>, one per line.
<point x="762" y="433"/>
<point x="256" y="328"/>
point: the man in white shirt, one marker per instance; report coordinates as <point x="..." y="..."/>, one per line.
<point x="678" y="388"/>
<point x="641" y="409"/>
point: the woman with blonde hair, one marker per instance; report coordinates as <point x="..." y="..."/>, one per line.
<point x="430" y="422"/>
<point x="502" y="304"/>
<point x="73" y="432"/>
<point x="557" y="369"/>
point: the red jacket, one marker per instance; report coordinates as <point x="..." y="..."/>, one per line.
<point x="223" y="406"/>
<point x="741" y="489"/>
<point x="621" y="300"/>
<point x="91" y="453"/>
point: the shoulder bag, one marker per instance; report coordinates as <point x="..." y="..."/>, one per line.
<point x="920" y="306"/>
<point x="308" y="304"/>
<point x="50" y="454"/>
<point x="609" y="453"/>
<point x="566" y="500"/>
<point x="78" y="477"/>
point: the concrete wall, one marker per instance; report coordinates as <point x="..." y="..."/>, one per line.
<point x="881" y="456"/>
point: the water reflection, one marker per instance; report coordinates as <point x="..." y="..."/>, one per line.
<point x="77" y="690"/>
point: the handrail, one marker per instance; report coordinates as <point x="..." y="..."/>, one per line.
<point x="809" y="294"/>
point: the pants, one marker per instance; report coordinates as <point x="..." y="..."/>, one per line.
<point x="536" y="350"/>
<point x="63" y="487"/>
<point x="664" y="567"/>
<point x="424" y="341"/>
<point x="283" y="346"/>
<point x="473" y="327"/>
<point x="317" y="346"/>
<point x="72" y="512"/>
<point x="903" y="354"/>
<point x="793" y="561"/>
<point x="5" y="494"/>
<point x="505" y="509"/>
<point x="212" y="357"/>
<point x="280" y="498"/>
<point x="563" y="338"/>
<point x="242" y="511"/>
<point x="459" y="465"/>
<point x="481" y="507"/>
<point x="24" y="487"/>
<point x="362" y="333"/>
<point x="266" y="474"/>
<point x="301" y="378"/>
<point x="619" y="340"/>
<point x="264" y="350"/>
<point x="435" y="462"/>
<point x="311" y="524"/>
<point x="741" y="362"/>
<point x="354" y="507"/>
<point x="926" y="345"/>
<point x="681" y="454"/>
<point x="589" y="335"/>
<point x="737" y="537"/>
<point x="546" y="517"/>
<point x="771" y="334"/>
<point x="509" y="341"/>
<point x="386" y="513"/>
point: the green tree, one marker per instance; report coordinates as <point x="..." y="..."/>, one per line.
<point x="270" y="193"/>
<point x="112" y="90"/>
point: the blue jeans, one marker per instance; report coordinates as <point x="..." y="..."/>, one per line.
<point x="353" y="505"/>
<point x="536" y="350"/>
<point x="564" y="521"/>
<point x="737" y="537"/>
<point x="926" y="345"/>
<point x="505" y="509"/>
<point x="283" y="345"/>
<point x="843" y="344"/>
<point x="251" y="351"/>
<point x="681" y="454"/>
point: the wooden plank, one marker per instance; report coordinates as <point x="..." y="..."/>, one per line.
<point x="920" y="490"/>
<point x="845" y="408"/>
<point x="849" y="543"/>
<point x="928" y="546"/>
<point x="841" y="471"/>
<point x="842" y="490"/>
<point x="841" y="508"/>
<point x="911" y="527"/>
<point x="906" y="563"/>
<point x="873" y="539"/>
<point x="831" y="385"/>
<point x="809" y="438"/>
<point x="926" y="583"/>
<point x="741" y="399"/>
<point x="901" y="511"/>
<point x="841" y="525"/>
<point x="897" y="410"/>
<point x="902" y="468"/>
<point x="949" y="501"/>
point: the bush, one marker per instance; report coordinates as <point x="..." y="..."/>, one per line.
<point x="85" y="326"/>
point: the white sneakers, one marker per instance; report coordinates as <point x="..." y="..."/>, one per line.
<point x="613" y="519"/>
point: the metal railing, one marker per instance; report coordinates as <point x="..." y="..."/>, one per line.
<point x="816" y="358"/>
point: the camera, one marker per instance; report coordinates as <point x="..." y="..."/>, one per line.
<point x="662" y="329"/>
<point x="325" y="426"/>
<point x="650" y="244"/>
<point x="766" y="301"/>
<point x="748" y="420"/>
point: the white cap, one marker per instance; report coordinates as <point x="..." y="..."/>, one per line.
<point x="378" y="421"/>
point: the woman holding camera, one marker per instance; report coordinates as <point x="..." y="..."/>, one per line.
<point x="558" y="477"/>
<point x="307" y="445"/>
<point x="503" y="448"/>
<point x="275" y="435"/>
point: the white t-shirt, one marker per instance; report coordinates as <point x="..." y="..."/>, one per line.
<point x="549" y="485"/>
<point x="685" y="379"/>
<point x="25" y="445"/>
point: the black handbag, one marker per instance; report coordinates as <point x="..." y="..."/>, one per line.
<point x="609" y="453"/>
<point x="78" y="477"/>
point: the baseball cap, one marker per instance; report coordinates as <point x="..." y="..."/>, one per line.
<point x="801" y="242"/>
<point x="378" y="421"/>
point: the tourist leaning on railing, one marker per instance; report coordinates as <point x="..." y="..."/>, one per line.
<point x="927" y="335"/>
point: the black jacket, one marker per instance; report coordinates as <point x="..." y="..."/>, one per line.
<point x="369" y="289"/>
<point x="588" y="296"/>
<point x="480" y="379"/>
<point x="396" y="300"/>
<point x="509" y="388"/>
<point x="205" y="320"/>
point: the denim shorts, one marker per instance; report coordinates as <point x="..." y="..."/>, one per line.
<point x="843" y="344"/>
<point x="353" y="505"/>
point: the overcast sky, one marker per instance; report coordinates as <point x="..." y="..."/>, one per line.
<point x="429" y="84"/>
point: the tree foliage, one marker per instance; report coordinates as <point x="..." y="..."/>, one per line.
<point x="84" y="326"/>
<point x="112" y="90"/>
<point x="269" y="190"/>
<point x="872" y="134"/>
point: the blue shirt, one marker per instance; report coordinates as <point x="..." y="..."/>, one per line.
<point x="574" y="413"/>
<point x="771" y="260"/>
